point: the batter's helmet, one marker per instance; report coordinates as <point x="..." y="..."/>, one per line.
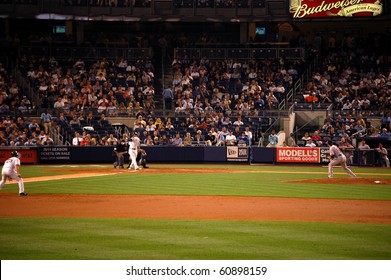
<point x="15" y="154"/>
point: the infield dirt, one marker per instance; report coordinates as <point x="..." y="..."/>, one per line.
<point x="196" y="207"/>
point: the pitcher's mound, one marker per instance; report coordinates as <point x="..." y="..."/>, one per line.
<point x="347" y="180"/>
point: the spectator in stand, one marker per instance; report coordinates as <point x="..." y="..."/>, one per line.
<point x="221" y="135"/>
<point x="317" y="139"/>
<point x="230" y="139"/>
<point x="238" y="122"/>
<point x="386" y="120"/>
<point x="312" y="98"/>
<point x="59" y="104"/>
<point x="243" y="139"/>
<point x="347" y="105"/>
<point x="347" y="148"/>
<point x="188" y="140"/>
<point x="272" y="101"/>
<point x="359" y="127"/>
<point x="249" y="134"/>
<point x="376" y="133"/>
<point x="273" y="139"/>
<point x="340" y="120"/>
<point x="73" y="122"/>
<point x="306" y="137"/>
<point x="310" y="144"/>
<point x="329" y="119"/>
<point x="149" y="141"/>
<point x="46" y="119"/>
<point x="163" y="141"/>
<point x="384" y="133"/>
<point x="77" y="139"/>
<point x="168" y="97"/>
<point x="177" y="140"/>
<point x="34" y="126"/>
<point x="292" y="140"/>
<point x="47" y="141"/>
<point x="199" y="138"/>
<point x="111" y="140"/>
<point x="23" y="108"/>
<point x="111" y="109"/>
<point x="382" y="155"/>
<point x="210" y="139"/>
<point x="363" y="148"/>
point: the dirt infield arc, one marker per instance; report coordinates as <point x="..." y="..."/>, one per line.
<point x="194" y="207"/>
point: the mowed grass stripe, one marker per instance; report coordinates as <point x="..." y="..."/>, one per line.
<point x="189" y="239"/>
<point x="235" y="184"/>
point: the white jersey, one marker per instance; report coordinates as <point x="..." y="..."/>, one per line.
<point x="132" y="146"/>
<point x="10" y="172"/>
<point x="10" y="164"/>
<point x="136" y="141"/>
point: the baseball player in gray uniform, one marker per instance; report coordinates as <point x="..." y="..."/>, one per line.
<point x="11" y="171"/>
<point x="337" y="158"/>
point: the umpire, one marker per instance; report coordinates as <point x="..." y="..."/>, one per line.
<point x="141" y="158"/>
<point x="120" y="149"/>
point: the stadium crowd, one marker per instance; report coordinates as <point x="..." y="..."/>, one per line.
<point x="355" y="77"/>
<point x="208" y="100"/>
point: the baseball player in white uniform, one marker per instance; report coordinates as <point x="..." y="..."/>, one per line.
<point x="134" y="144"/>
<point x="337" y="157"/>
<point x="11" y="170"/>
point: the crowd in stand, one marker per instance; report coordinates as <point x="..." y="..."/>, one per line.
<point x="341" y="130"/>
<point x="214" y="100"/>
<point x="207" y="96"/>
<point x="204" y="130"/>
<point x="115" y="88"/>
<point x="111" y="87"/>
<point x="17" y="130"/>
<point x="355" y="76"/>
<point x="22" y="133"/>
<point x="232" y="86"/>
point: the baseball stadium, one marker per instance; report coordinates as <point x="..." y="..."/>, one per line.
<point x="195" y="130"/>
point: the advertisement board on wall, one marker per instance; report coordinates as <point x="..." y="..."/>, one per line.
<point x="335" y="8"/>
<point x="309" y="155"/>
<point x="53" y="154"/>
<point x="302" y="155"/>
<point x="27" y="155"/>
<point x="235" y="153"/>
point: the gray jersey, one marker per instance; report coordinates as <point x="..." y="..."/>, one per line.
<point x="334" y="150"/>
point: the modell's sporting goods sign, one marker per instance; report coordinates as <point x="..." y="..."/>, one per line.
<point x="335" y="8"/>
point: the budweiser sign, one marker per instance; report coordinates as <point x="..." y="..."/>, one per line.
<point x="337" y="8"/>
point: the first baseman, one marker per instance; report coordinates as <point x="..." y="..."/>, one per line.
<point x="11" y="171"/>
<point x="337" y="157"/>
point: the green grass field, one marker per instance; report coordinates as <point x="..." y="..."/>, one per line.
<point x="114" y="239"/>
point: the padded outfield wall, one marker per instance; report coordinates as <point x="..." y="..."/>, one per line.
<point x="169" y="154"/>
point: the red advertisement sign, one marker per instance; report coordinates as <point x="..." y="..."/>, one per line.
<point x="300" y="155"/>
<point x="335" y="8"/>
<point x="27" y="155"/>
